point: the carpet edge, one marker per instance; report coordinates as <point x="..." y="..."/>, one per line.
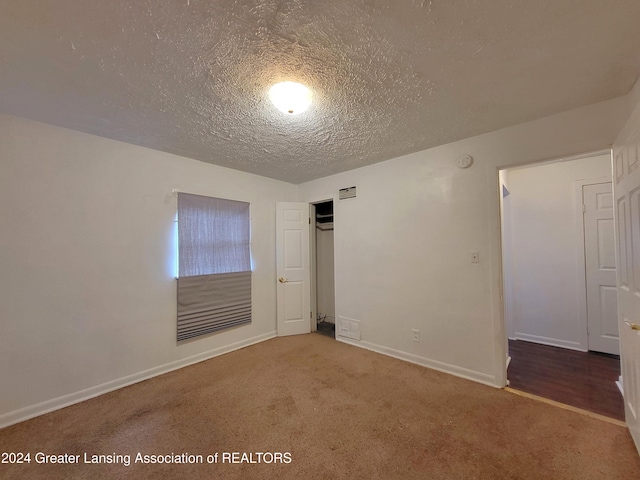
<point x="42" y="408"/>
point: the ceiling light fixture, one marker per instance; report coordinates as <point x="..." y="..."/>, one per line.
<point x="290" y="97"/>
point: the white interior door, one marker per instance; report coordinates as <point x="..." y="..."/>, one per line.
<point x="293" y="275"/>
<point x="600" y="263"/>
<point x="627" y="207"/>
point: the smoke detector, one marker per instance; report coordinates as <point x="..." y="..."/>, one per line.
<point x="465" y="161"/>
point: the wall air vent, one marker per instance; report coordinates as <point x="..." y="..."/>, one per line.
<point x="349" y="192"/>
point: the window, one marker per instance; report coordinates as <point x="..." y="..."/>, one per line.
<point x="214" y="265"/>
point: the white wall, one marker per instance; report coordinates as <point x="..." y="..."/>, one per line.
<point x="547" y="283"/>
<point x="403" y="246"/>
<point x="87" y="294"/>
<point x="87" y="299"/>
<point x="325" y="274"/>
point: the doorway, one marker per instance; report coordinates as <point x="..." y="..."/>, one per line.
<point x="322" y="271"/>
<point x="557" y="301"/>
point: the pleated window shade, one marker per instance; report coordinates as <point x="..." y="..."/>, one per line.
<point x="214" y="265"/>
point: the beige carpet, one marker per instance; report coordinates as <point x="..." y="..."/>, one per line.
<point x="339" y="411"/>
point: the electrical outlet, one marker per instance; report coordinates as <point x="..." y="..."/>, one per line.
<point x="415" y="335"/>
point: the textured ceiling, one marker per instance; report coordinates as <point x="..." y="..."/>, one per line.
<point x="389" y="77"/>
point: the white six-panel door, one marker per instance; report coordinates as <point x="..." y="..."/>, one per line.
<point x="626" y="187"/>
<point x="293" y="273"/>
<point x="600" y="263"/>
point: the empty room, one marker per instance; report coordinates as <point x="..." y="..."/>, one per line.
<point x="265" y="239"/>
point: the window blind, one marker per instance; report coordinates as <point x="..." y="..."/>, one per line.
<point x="214" y="265"/>
<point x="213" y="235"/>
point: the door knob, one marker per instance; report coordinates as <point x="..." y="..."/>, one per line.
<point x="633" y="326"/>
<point x="282" y="280"/>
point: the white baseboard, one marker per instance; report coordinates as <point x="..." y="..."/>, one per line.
<point x="426" y="362"/>
<point x="620" y="385"/>
<point x="47" y="406"/>
<point x="553" y="342"/>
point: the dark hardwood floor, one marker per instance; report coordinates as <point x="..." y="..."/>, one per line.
<point x="581" y="379"/>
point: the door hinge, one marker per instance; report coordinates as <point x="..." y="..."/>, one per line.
<point x="309" y="220"/>
<point x="310" y="314"/>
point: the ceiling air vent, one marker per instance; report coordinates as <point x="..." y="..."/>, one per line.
<point x="349" y="192"/>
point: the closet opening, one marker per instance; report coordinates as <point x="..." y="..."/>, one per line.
<point x="322" y="273"/>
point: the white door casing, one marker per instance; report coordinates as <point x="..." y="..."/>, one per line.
<point x="600" y="268"/>
<point x="626" y="179"/>
<point x="292" y="268"/>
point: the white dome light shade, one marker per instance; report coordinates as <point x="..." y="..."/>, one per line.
<point x="290" y="97"/>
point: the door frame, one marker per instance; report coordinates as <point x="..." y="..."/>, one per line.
<point x="313" y="264"/>
<point x="501" y="345"/>
<point x="313" y="260"/>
